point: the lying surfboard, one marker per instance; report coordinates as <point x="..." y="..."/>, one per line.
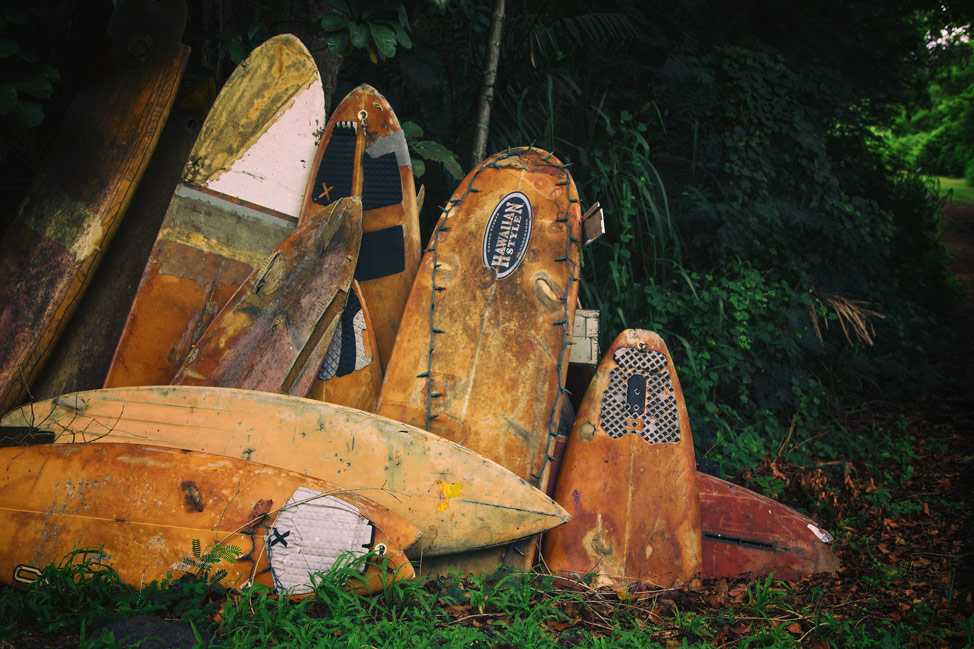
<point x="75" y="203"/>
<point x="273" y="333"/>
<point x="351" y="373"/>
<point x="239" y="196"/>
<point x="458" y="499"/>
<point x="81" y="358"/>
<point x="363" y="153"/>
<point x="628" y="476"/>
<point x="744" y="532"/>
<point x="146" y="507"/>
<point x="482" y="350"/>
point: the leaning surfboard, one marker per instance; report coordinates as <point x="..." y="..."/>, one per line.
<point x="458" y="499"/>
<point x="745" y="532"/>
<point x="273" y="333"/>
<point x="75" y="203"/>
<point x="149" y="510"/>
<point x="363" y="153"/>
<point x="628" y="476"/>
<point x="239" y="195"/>
<point x="482" y="351"/>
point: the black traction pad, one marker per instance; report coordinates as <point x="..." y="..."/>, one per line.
<point x="640" y="398"/>
<point x="334" y="178"/>
<point x="381" y="182"/>
<point x="382" y="254"/>
<point x="344" y="354"/>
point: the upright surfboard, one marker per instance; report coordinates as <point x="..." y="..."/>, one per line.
<point x="75" y="203"/>
<point x="628" y="475"/>
<point x="363" y="153"/>
<point x="240" y="194"/>
<point x="146" y="507"/>
<point x="351" y="375"/>
<point x="457" y="498"/>
<point x="744" y="532"/>
<point x="482" y="351"/>
<point x="273" y="333"/>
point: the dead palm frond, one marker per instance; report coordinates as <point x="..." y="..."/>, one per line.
<point x="853" y="315"/>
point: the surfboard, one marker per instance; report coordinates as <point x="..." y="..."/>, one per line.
<point x="149" y="510"/>
<point x="273" y="333"/>
<point x="628" y="476"/>
<point x="458" y="499"/>
<point x="81" y="357"/>
<point x="350" y="374"/>
<point x="239" y="195"/>
<point x="745" y="532"/>
<point x="74" y="205"/>
<point x="363" y="152"/>
<point x="482" y="351"/>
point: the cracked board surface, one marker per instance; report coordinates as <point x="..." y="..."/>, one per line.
<point x="73" y="207"/>
<point x="628" y="475"/>
<point x="482" y="351"/>
<point x="745" y="532"/>
<point x="239" y="195"/>
<point x="457" y="498"/>
<point x="363" y="152"/>
<point x="149" y="509"/>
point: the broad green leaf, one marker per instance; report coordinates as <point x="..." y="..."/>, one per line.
<point x="359" y="35"/>
<point x="402" y="36"/>
<point x="338" y="41"/>
<point x="333" y="23"/>
<point x="438" y="153"/>
<point x="35" y="86"/>
<point x="8" y="98"/>
<point x="411" y="130"/>
<point x="29" y="113"/>
<point x="419" y="167"/>
<point x="385" y="39"/>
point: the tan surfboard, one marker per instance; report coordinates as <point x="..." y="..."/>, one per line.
<point x="81" y="191"/>
<point x="351" y="374"/>
<point x="458" y="499"/>
<point x="628" y="475"/>
<point x="363" y="153"/>
<point x="273" y="333"/>
<point x="482" y="351"/>
<point x="239" y="195"/>
<point x="143" y="508"/>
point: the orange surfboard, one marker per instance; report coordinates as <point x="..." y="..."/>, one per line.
<point x="351" y="374"/>
<point x="628" y="475"/>
<point x="239" y="195"/>
<point x="363" y="152"/>
<point x="273" y="333"/>
<point x="143" y="508"/>
<point x="82" y="189"/>
<point x="745" y="532"/>
<point x="482" y="351"/>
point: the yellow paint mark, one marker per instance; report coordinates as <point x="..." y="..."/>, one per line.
<point x="51" y="213"/>
<point x="449" y="490"/>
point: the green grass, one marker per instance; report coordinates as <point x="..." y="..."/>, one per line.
<point x="957" y="188"/>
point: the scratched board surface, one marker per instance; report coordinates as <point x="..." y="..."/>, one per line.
<point x="457" y="498"/>
<point x="628" y="475"/>
<point x="146" y="519"/>
<point x="239" y="195"/>
<point x="74" y="205"/>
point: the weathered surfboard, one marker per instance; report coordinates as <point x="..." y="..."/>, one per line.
<point x="239" y="195"/>
<point x="273" y="333"/>
<point x="363" y="153"/>
<point x="351" y="374"/>
<point x="628" y="476"/>
<point x="482" y="351"/>
<point x="81" y="358"/>
<point x="75" y="203"/>
<point x="744" y="532"/>
<point x="144" y="507"/>
<point x="458" y="499"/>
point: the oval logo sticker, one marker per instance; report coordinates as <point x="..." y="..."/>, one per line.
<point x="507" y="235"/>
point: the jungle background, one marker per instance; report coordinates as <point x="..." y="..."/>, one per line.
<point x="769" y="176"/>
